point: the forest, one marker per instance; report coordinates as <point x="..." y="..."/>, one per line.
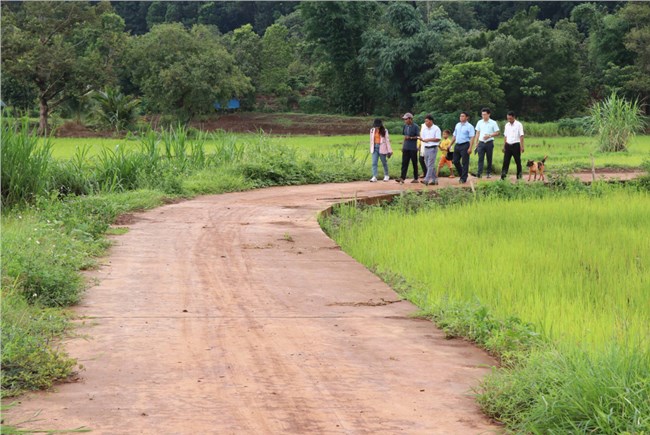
<point x="544" y="60"/>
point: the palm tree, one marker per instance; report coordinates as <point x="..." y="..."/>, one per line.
<point x="114" y="109"/>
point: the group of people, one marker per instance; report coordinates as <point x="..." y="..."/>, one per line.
<point x="428" y="139"/>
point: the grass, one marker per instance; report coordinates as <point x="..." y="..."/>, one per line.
<point x="564" y="153"/>
<point x="553" y="281"/>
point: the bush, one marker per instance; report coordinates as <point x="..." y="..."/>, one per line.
<point x="312" y="104"/>
<point x="615" y="121"/>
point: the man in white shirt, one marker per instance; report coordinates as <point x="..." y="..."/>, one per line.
<point x="513" y="145"/>
<point x="430" y="136"/>
<point x="486" y="130"/>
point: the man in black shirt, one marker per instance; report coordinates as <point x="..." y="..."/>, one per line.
<point x="411" y="133"/>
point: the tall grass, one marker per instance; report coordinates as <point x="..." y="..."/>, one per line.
<point x="25" y="163"/>
<point x="616" y="120"/>
<point x="555" y="283"/>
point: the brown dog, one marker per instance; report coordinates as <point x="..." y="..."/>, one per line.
<point x="536" y="168"/>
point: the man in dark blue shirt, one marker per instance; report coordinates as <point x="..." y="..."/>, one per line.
<point x="411" y="133"/>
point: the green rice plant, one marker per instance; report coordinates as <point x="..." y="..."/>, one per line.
<point x="25" y="163"/>
<point x="615" y="121"/>
<point x="562" y="300"/>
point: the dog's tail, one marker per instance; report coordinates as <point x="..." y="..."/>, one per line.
<point x="544" y="159"/>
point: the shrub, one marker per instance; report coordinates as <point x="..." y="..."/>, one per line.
<point x="115" y="110"/>
<point x="312" y="104"/>
<point x="615" y="121"/>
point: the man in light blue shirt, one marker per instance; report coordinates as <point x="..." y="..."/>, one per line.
<point x="486" y="130"/>
<point x="463" y="137"/>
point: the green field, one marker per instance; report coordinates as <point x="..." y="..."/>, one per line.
<point x="567" y="153"/>
<point x="553" y="282"/>
<point x="577" y="268"/>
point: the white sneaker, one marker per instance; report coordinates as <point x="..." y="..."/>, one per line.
<point x="386" y="178"/>
<point x="373" y="179"/>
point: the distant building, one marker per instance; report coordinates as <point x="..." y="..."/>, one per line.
<point x="232" y="104"/>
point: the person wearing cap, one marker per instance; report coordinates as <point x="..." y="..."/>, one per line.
<point x="411" y="133"/>
<point x="463" y="137"/>
<point x="379" y="148"/>
<point x="430" y="136"/>
<point x="486" y="130"/>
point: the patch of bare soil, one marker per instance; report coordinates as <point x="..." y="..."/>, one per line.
<point x="286" y="124"/>
<point x="73" y="129"/>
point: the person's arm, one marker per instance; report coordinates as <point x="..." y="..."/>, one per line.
<point x="390" y="150"/>
<point x="372" y="140"/>
<point x="471" y="140"/>
<point x="453" y="138"/>
<point x="521" y="138"/>
<point x="437" y="136"/>
<point x="497" y="132"/>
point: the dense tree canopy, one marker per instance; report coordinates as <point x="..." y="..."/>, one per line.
<point x="183" y="72"/>
<point x="58" y="50"/>
<point x="545" y="60"/>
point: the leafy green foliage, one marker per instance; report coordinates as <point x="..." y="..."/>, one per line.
<point x="184" y="72"/>
<point x="469" y="86"/>
<point x="59" y="48"/>
<point x="276" y="56"/>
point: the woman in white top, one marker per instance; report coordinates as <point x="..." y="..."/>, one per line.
<point x="379" y="148"/>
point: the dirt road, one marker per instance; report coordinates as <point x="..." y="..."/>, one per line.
<point x="234" y="313"/>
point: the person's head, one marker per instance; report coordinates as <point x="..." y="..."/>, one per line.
<point x="464" y="116"/>
<point x="377" y="123"/>
<point x="446" y="134"/>
<point x="511" y="117"/>
<point x="428" y="120"/>
<point x="485" y="113"/>
<point x="408" y="118"/>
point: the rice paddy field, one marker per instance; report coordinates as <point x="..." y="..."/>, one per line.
<point x="571" y="271"/>
<point x="563" y="152"/>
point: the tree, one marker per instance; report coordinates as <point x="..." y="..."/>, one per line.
<point x="467" y="86"/>
<point x="396" y="51"/>
<point x="637" y="40"/>
<point x="245" y="46"/>
<point x="114" y="109"/>
<point x="276" y="57"/>
<point x="336" y="29"/>
<point x="552" y="86"/>
<point x="183" y="72"/>
<point x="56" y="48"/>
